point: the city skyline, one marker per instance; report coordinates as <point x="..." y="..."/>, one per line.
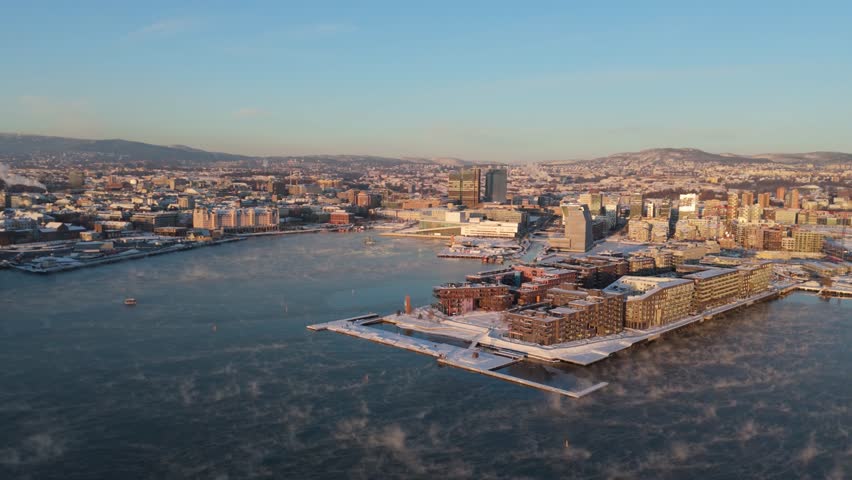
<point x="479" y="82"/>
<point x="543" y="240"/>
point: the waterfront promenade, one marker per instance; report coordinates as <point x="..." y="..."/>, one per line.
<point x="472" y="359"/>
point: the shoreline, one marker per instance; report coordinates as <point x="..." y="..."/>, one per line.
<point x="120" y="257"/>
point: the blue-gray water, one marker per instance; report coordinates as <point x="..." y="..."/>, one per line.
<point x="90" y="388"/>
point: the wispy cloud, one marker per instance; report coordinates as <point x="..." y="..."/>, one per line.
<point x="249" y="112"/>
<point x="166" y="27"/>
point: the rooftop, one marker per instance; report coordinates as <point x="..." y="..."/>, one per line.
<point x="709" y="273"/>
<point x="641" y="287"/>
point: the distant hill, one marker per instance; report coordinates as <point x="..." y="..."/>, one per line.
<point x="819" y="158"/>
<point x="693" y="155"/>
<point x="122" y="150"/>
<point x="125" y="151"/>
<point x="364" y="159"/>
<point x="445" y="161"/>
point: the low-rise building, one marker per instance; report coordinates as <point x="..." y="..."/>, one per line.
<point x="339" y="217"/>
<point x="148" y="221"/>
<point x="490" y="229"/>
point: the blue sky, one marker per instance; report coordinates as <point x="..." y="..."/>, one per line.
<point x="504" y="81"/>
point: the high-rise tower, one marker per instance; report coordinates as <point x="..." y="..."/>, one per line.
<point x="496" y="181"/>
<point x="578" y="227"/>
<point x="464" y="186"/>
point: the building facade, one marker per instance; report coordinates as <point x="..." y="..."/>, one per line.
<point x="457" y="299"/>
<point x="236" y="220"/>
<point x="714" y="287"/>
<point x="464" y="187"/>
<point x="578" y="228"/>
<point x="496" y="183"/>
<point x="572" y="314"/>
<point x="653" y="301"/>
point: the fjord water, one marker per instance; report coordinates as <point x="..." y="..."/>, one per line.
<point x="213" y="375"/>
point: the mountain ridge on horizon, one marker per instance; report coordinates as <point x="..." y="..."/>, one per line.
<point x="689" y="154"/>
<point x="130" y="150"/>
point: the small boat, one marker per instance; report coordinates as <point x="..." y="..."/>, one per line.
<point x="130" y="301"/>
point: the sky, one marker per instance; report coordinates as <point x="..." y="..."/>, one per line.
<point x="490" y="80"/>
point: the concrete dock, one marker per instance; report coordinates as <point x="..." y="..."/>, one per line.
<point x="472" y="359"/>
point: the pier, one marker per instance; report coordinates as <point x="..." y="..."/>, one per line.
<point x="472" y="359"/>
<point x="826" y="291"/>
<point x="483" y="257"/>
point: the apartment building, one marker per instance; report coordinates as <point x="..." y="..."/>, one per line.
<point x="653" y="301"/>
<point x="571" y="314"/>
<point x="713" y="287"/>
<point x="459" y="298"/>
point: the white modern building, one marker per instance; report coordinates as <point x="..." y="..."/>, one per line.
<point x="490" y="229"/>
